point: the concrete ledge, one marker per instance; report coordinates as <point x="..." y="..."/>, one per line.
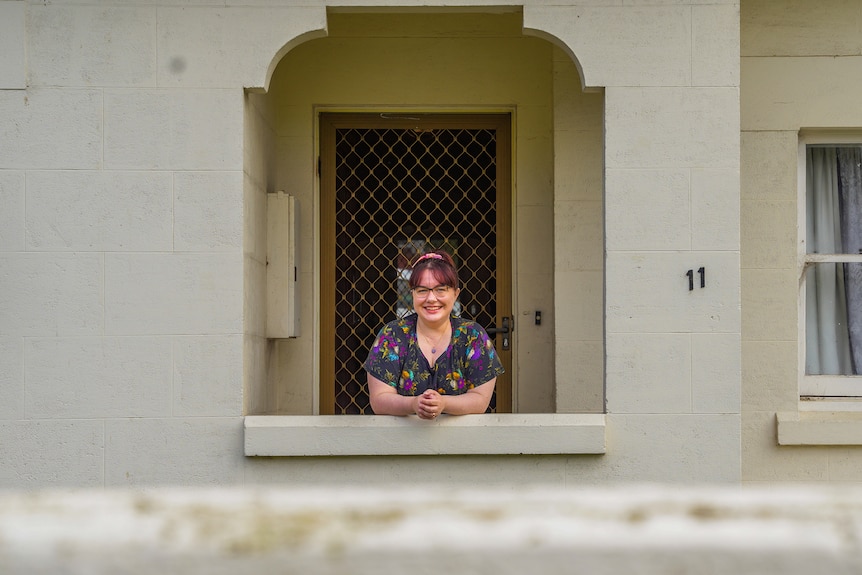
<point x="649" y="530"/>
<point x="503" y="434"/>
<point x="819" y="428"/>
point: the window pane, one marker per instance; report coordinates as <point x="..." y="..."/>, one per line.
<point x="834" y="290"/>
<point x="834" y="199"/>
<point x="827" y="333"/>
<point x="822" y="201"/>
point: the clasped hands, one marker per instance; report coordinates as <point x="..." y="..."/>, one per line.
<point x="429" y="405"/>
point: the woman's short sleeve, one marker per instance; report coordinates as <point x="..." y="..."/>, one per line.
<point x="384" y="357"/>
<point x="480" y="362"/>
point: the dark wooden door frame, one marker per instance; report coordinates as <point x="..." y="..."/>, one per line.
<point x="329" y="123"/>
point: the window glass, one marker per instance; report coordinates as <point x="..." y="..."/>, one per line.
<point x="833" y="276"/>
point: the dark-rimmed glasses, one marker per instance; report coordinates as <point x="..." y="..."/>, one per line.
<point x="421" y="292"/>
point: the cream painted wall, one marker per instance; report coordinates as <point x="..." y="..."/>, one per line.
<point x="579" y="240"/>
<point x="799" y="70"/>
<point x="130" y="282"/>
<point x="670" y="138"/>
<point x="259" y="146"/>
<point x="433" y="63"/>
<point x="671" y="203"/>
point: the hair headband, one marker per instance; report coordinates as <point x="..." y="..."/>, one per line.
<point x="430" y="255"/>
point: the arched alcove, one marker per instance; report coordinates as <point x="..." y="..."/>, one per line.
<point x="439" y="61"/>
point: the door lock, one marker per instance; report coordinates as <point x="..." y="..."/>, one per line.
<point x="508" y="326"/>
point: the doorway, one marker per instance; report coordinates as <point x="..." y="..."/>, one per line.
<point x="393" y="186"/>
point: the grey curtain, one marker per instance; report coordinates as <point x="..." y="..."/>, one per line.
<point x="850" y="207"/>
<point x="826" y="333"/>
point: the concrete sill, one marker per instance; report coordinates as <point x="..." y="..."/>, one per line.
<point x="503" y="434"/>
<point x="819" y="428"/>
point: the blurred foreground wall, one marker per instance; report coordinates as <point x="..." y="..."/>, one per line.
<point x="645" y="529"/>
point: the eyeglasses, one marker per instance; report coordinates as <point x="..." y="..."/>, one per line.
<point x="423" y="292"/>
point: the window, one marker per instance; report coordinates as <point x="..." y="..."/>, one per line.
<point x="832" y="268"/>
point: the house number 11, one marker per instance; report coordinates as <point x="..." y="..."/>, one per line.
<point x="690" y="274"/>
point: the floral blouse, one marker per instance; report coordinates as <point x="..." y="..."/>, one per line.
<point x="470" y="359"/>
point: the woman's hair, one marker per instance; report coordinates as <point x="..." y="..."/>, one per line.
<point x="439" y="264"/>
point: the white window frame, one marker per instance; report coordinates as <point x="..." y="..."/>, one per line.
<point x="813" y="387"/>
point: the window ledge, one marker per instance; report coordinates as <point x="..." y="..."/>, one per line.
<point x="819" y="428"/>
<point x="487" y="434"/>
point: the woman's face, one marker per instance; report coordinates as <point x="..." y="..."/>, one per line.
<point x="433" y="307"/>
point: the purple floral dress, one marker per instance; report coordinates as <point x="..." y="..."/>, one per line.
<point x="470" y="359"/>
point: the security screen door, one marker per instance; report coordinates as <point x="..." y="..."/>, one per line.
<point x="393" y="186"/>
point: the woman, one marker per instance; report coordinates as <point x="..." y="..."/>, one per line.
<point x="429" y="362"/>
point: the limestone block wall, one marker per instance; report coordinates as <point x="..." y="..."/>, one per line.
<point x="126" y="260"/>
<point x="13" y="69"/>
<point x="121" y="238"/>
<point x="671" y="204"/>
<point x="799" y="71"/>
<point x="579" y="240"/>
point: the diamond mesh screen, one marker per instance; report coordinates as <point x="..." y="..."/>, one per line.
<point x="399" y="192"/>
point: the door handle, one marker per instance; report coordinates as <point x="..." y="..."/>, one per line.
<point x="508" y="326"/>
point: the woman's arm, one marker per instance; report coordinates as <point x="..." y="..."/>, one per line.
<point x="475" y="400"/>
<point x="385" y="399"/>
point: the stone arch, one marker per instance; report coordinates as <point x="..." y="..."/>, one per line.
<point x="297" y="40"/>
<point x="559" y="43"/>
